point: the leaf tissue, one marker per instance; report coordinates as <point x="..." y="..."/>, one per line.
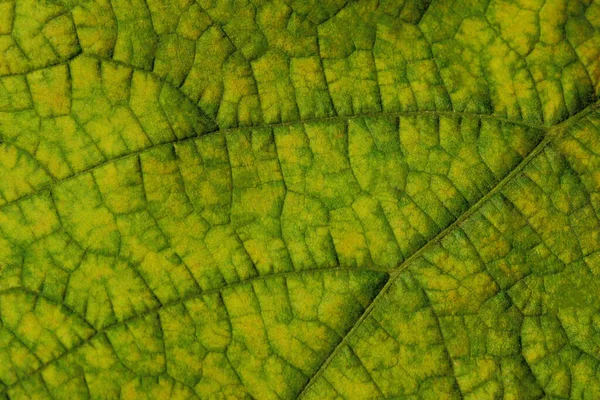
<point x="315" y="199"/>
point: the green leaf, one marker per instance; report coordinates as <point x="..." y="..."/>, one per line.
<point x="315" y="199"/>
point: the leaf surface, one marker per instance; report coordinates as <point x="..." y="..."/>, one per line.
<point x="370" y="199"/>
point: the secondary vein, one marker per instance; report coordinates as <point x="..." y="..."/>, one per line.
<point x="153" y="310"/>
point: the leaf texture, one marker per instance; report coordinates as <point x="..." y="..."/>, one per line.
<point x="314" y="199"/>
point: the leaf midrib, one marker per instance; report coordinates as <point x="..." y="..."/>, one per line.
<point x="552" y="134"/>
